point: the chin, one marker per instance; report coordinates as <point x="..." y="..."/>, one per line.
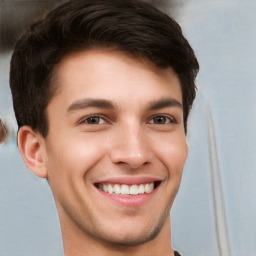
<point x="135" y="236"/>
<point x="135" y="240"/>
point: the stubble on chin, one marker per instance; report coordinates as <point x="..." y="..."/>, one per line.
<point x="149" y="234"/>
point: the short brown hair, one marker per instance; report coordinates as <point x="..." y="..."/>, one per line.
<point x="128" y="25"/>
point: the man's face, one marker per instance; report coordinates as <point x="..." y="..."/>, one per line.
<point x="116" y="145"/>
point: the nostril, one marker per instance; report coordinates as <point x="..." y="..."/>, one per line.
<point x="133" y="162"/>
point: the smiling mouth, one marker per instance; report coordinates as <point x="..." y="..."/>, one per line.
<point x="127" y="189"/>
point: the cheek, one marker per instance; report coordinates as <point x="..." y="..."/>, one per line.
<point x="68" y="163"/>
<point x="74" y="156"/>
<point x="173" y="153"/>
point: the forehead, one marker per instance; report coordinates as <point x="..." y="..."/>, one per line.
<point x="110" y="74"/>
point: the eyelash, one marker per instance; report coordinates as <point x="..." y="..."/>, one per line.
<point x="85" y="120"/>
<point x="100" y="118"/>
<point x="171" y="119"/>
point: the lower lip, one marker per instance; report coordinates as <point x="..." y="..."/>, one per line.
<point x="129" y="201"/>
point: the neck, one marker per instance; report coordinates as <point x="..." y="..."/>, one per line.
<point x="78" y="243"/>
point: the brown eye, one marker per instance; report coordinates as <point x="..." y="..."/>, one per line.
<point x="161" y="120"/>
<point x="94" y="120"/>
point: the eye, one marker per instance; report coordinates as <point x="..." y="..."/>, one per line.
<point x="93" y="120"/>
<point x="162" y="119"/>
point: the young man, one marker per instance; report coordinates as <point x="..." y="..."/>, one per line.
<point x="102" y="91"/>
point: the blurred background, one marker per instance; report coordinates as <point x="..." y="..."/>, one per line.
<point x="215" y="211"/>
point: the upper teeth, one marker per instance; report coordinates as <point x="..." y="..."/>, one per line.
<point x="124" y="189"/>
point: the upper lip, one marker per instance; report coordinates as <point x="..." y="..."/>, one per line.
<point x="129" y="180"/>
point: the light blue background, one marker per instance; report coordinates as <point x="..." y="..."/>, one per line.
<point x="217" y="198"/>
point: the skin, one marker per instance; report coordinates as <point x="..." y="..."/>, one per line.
<point x="136" y="134"/>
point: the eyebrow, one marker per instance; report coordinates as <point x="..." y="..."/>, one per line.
<point x="106" y="104"/>
<point x="85" y="103"/>
<point x="163" y="103"/>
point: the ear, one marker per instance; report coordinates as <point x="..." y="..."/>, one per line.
<point x="32" y="148"/>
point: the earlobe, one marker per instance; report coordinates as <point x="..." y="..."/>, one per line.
<point x="32" y="149"/>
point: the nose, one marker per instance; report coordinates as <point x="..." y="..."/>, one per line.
<point x="131" y="147"/>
